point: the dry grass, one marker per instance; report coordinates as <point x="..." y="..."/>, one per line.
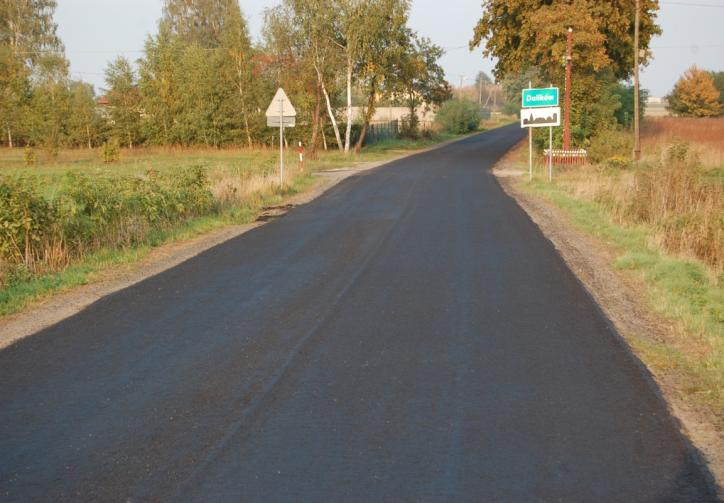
<point x="706" y="136"/>
<point x="678" y="190"/>
<point x="708" y="132"/>
<point x="685" y="209"/>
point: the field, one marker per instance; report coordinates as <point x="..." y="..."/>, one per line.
<point x="664" y="220"/>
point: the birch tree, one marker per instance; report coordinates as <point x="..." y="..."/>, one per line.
<point x="124" y="99"/>
<point x="28" y="37"/>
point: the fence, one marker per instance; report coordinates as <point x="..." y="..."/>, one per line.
<point x="560" y="156"/>
<point x="380" y="131"/>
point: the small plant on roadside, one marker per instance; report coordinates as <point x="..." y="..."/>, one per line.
<point x="677" y="152"/>
<point x="409" y="127"/>
<point x="111" y="151"/>
<point x="619" y="162"/>
<point x="52" y="151"/>
<point x="30" y="156"/>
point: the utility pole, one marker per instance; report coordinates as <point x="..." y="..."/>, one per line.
<point x="567" y="123"/>
<point x="637" y="111"/>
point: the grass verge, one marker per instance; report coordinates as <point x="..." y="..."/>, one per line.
<point x="679" y="289"/>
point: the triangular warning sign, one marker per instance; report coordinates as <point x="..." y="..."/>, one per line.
<point x="281" y="103"/>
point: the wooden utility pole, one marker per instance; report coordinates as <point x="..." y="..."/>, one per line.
<point x="637" y="111"/>
<point x="567" y="123"/>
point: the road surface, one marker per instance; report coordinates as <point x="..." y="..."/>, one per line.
<point x="408" y="336"/>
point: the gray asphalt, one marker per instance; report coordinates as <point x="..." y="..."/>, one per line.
<point x="408" y="336"/>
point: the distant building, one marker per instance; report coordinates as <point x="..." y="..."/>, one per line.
<point x="656" y="107"/>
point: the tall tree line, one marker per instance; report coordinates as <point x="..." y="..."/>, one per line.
<point x="39" y="104"/>
<point x="528" y="38"/>
<point x="201" y="80"/>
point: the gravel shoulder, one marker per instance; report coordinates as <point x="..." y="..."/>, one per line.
<point x="621" y="298"/>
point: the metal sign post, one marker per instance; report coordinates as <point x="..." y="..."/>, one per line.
<point x="530" y="139"/>
<point x="550" y="154"/>
<point x="281" y="142"/>
<point x="281" y="114"/>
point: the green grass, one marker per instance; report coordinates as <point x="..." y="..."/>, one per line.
<point x="679" y="289"/>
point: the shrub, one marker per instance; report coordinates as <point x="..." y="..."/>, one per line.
<point x="677" y="152"/>
<point x="88" y="213"/>
<point x="30" y="156"/>
<point x="408" y="127"/>
<point x="608" y="144"/>
<point x="459" y="116"/>
<point x="25" y="218"/>
<point x="619" y="162"/>
<point x="111" y="151"/>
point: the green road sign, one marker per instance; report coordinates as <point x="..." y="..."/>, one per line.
<point x="546" y="97"/>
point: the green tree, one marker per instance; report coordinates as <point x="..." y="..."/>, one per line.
<point x="159" y="78"/>
<point x="47" y="115"/>
<point x="532" y="33"/>
<point x="624" y="93"/>
<point x="84" y="121"/>
<point x="458" y="116"/>
<point x="238" y="72"/>
<point x="203" y="22"/>
<point x="28" y="42"/>
<point x="420" y="79"/>
<point x="695" y="95"/>
<point x="292" y="60"/>
<point x="318" y="22"/>
<point x="383" y="43"/>
<point x="124" y="100"/>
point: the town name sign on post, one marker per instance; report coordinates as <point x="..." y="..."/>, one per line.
<point x="540" y="109"/>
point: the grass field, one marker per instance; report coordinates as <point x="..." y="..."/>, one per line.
<point x="665" y="220"/>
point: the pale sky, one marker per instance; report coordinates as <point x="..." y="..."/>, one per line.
<point x="96" y="31"/>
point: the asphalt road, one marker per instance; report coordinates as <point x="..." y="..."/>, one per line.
<point x="408" y="336"/>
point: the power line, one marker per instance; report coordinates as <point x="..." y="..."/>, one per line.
<point x="715" y="6"/>
<point x="692" y="46"/>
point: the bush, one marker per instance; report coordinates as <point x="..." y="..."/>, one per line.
<point x="409" y="127"/>
<point x="30" y="156"/>
<point x="459" y="116"/>
<point x="111" y="151"/>
<point x="87" y="213"/>
<point x="619" y="162"/>
<point x="608" y="144"/>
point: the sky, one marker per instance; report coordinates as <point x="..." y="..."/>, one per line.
<point x="96" y="31"/>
